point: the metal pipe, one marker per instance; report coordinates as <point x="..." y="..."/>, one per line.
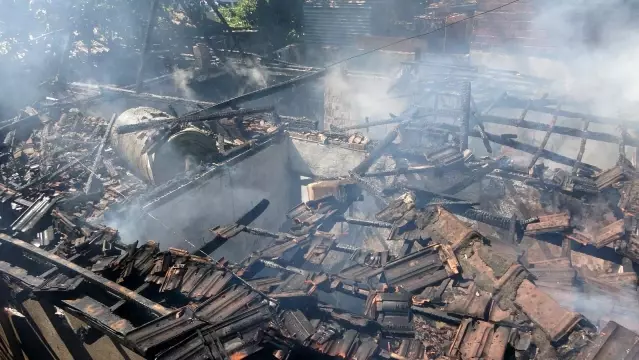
<point x="362" y="222"/>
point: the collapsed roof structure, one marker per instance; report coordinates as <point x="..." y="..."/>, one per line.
<point x="176" y="228"/>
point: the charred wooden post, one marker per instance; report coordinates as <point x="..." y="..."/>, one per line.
<point x="147" y="42"/>
<point x="377" y="152"/>
<point x="98" y="156"/>
<point x="542" y="146"/>
<point x="582" y="146"/>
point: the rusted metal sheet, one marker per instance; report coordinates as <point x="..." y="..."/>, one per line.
<point x="417" y="270"/>
<point x="475" y="304"/>
<point x="236" y="338"/>
<point x="216" y="309"/>
<point x="294" y="286"/>
<point x="629" y="200"/>
<point x="629" y="247"/>
<point x="454" y="231"/>
<point x="549" y="224"/>
<point x="21" y="275"/>
<point x="297" y="325"/>
<point x="479" y="340"/>
<point x="90" y="309"/>
<point x="359" y="272"/>
<point x="391" y="310"/>
<point x="342" y="347"/>
<point x="554" y="277"/>
<point x="60" y="282"/>
<point x="345" y="316"/>
<point x="610" y="233"/>
<point x="211" y="284"/>
<point x="612" y="176"/>
<point x="150" y="337"/>
<point x="277" y="250"/>
<point x="614" y="342"/>
<point x="544" y="311"/>
<point x="494" y="275"/>
<point x="318" y="249"/>
<point x="265" y="284"/>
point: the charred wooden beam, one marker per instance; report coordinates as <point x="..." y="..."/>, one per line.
<point x="542" y="108"/>
<point x="377" y="152"/>
<point x="257" y="94"/>
<point x="98" y="156"/>
<point x="417" y="270"/>
<point x="105" y="89"/>
<point x="480" y="127"/>
<point x="366" y="125"/>
<point x="88" y="275"/>
<point x="363" y="222"/>
<point x="542" y="146"/>
<point x="561" y="130"/>
<point x="582" y="146"/>
<point x="130" y="128"/>
<point x="472" y="178"/>
<point x="465" y="119"/>
<point x="531" y="149"/>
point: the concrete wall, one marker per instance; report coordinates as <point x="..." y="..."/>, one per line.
<point x="313" y="159"/>
<point x="222" y="200"/>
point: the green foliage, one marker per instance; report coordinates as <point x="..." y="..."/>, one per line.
<point x="242" y="14"/>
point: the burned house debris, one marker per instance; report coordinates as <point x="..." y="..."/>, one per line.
<point x="450" y="234"/>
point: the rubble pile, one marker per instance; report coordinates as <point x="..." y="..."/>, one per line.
<point x="480" y="257"/>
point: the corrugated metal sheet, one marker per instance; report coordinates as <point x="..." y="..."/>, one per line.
<point x="337" y="22"/>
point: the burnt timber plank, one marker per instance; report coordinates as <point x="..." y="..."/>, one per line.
<point x="542" y="146"/>
<point x="582" y="147"/>
<point x="93" y="278"/>
<point x="561" y="130"/>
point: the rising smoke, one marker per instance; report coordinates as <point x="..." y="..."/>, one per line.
<point x="596" y="40"/>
